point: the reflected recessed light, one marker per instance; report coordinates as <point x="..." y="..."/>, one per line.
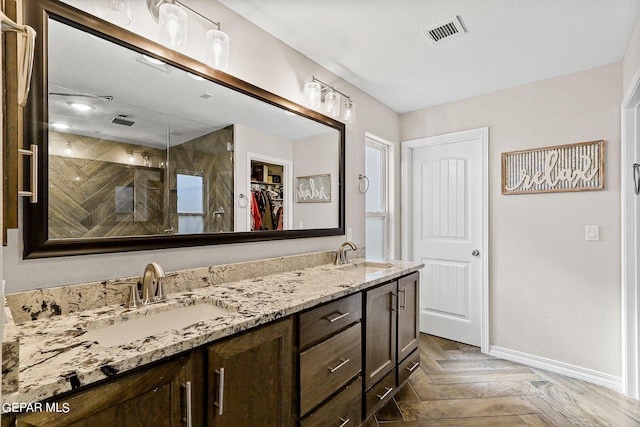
<point x="80" y="106"/>
<point x="289" y="113"/>
<point x="152" y="60"/>
<point x="196" y="77"/>
<point x="60" y="126"/>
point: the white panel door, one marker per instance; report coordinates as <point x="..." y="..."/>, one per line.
<point x="447" y="179"/>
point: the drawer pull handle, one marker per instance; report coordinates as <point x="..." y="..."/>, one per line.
<point x="342" y="363"/>
<point x="220" y="402"/>
<point x="386" y="393"/>
<point x="344" y="422"/>
<point x="187" y="391"/>
<point x="338" y="317"/>
<point x="413" y="368"/>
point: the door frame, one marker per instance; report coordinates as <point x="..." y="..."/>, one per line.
<point x="407" y="232"/>
<point x="630" y="240"/>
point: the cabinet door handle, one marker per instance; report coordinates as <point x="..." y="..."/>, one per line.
<point x="393" y="305"/>
<point x="344" y="422"/>
<point x="220" y="402"/>
<point x="403" y="306"/>
<point x="413" y="368"/>
<point x="386" y="393"/>
<point x="187" y="391"/>
<point x="32" y="193"/>
<point x="342" y="363"/>
<point x="338" y="317"/>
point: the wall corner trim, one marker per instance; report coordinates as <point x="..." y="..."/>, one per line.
<point x="561" y="368"/>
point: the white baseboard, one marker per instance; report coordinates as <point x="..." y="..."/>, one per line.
<point x="561" y="368"/>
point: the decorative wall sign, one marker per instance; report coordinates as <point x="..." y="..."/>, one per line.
<point x="572" y="167"/>
<point x="313" y="189"/>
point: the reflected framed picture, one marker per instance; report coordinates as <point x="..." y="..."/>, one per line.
<point x="313" y="189"/>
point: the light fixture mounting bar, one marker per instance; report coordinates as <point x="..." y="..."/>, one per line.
<point x="83" y="95"/>
<point x="154" y="9"/>
<point x="216" y="23"/>
<point x="325" y="86"/>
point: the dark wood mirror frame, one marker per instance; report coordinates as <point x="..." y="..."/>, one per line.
<point x="35" y="223"/>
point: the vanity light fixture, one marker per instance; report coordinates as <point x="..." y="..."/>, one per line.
<point x="115" y="11"/>
<point x="131" y="158"/>
<point x="318" y="92"/>
<point x="313" y="92"/>
<point x="173" y="26"/>
<point x="172" y="17"/>
<point x="67" y="150"/>
<point x="349" y="114"/>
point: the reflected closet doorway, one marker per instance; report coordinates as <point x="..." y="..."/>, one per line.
<point x="270" y="182"/>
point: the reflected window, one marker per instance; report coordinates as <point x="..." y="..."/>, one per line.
<point x="190" y="191"/>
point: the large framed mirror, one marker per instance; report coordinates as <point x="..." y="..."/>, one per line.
<point x="142" y="147"/>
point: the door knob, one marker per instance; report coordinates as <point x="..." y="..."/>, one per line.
<point x="475" y="252"/>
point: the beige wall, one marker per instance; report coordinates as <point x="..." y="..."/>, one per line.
<point x="552" y="293"/>
<point x="260" y="59"/>
<point x="631" y="63"/>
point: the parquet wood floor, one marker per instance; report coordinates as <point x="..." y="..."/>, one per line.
<point x="459" y="386"/>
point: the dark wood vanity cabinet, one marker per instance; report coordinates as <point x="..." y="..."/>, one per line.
<point x="156" y="396"/>
<point x="330" y="364"/>
<point x="391" y="338"/>
<point x="250" y="378"/>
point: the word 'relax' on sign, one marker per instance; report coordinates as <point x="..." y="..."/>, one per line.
<point x="571" y="167"/>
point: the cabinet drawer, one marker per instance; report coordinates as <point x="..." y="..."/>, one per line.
<point x="343" y="409"/>
<point x="326" y="367"/>
<point x="408" y="366"/>
<point x="329" y="318"/>
<point x="380" y="393"/>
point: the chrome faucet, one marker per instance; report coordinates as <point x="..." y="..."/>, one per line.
<point x="152" y="287"/>
<point x="341" y="256"/>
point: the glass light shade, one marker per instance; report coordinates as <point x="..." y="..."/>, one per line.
<point x="173" y="26"/>
<point x="312" y="92"/>
<point x="349" y="113"/>
<point x="217" y="45"/>
<point x="115" y="11"/>
<point x="332" y="104"/>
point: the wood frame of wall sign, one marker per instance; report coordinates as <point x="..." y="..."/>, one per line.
<point x="559" y="168"/>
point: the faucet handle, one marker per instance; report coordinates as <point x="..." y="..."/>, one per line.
<point x="134" y="297"/>
<point x="160" y="293"/>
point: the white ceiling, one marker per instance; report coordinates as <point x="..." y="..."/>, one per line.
<point x="377" y="45"/>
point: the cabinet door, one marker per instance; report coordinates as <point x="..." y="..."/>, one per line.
<point x="380" y="333"/>
<point x="408" y="328"/>
<point x="155" y="396"/>
<point x="250" y="378"/>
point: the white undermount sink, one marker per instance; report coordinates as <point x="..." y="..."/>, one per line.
<point x="142" y="326"/>
<point x="366" y="267"/>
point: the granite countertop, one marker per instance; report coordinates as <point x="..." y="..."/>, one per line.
<point x="58" y="353"/>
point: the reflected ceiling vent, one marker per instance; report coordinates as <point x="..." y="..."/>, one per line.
<point x="447" y="30"/>
<point x="206" y="95"/>
<point x="121" y="119"/>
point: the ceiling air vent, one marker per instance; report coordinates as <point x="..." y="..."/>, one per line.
<point x="121" y="119"/>
<point x="449" y="29"/>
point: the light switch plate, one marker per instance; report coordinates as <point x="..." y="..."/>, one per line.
<point x="592" y="233"/>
